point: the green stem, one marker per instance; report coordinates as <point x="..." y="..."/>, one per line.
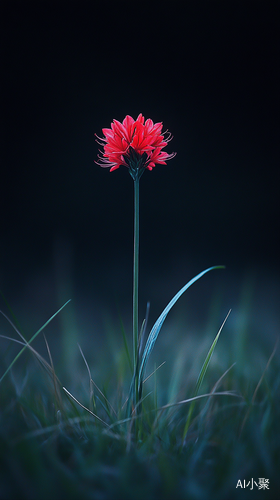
<point x="135" y="284"/>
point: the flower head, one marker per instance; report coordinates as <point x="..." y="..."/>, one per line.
<point x="135" y="144"/>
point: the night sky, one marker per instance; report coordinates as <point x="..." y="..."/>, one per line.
<point x="209" y="70"/>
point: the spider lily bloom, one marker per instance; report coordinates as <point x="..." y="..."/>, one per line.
<point x="135" y="144"/>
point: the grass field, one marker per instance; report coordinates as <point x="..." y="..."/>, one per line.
<point x="223" y="446"/>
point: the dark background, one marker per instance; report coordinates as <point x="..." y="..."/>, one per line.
<point x="209" y="70"/>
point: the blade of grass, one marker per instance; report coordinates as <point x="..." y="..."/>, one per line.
<point x="91" y="391"/>
<point x="200" y="396"/>
<point x="158" y="324"/>
<point x="143" y="329"/>
<point x="32" y="338"/>
<point x="202" y="375"/>
<point x="38" y="356"/>
<point x="258" y="386"/>
<point x="209" y="356"/>
<point x="155" y="370"/>
<point x="108" y="404"/>
<point x="54" y="377"/>
<point x="84" y="407"/>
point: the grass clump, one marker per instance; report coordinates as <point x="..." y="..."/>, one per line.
<point x="199" y="448"/>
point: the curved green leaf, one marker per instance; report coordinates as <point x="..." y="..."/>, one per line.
<point x="158" y="324"/>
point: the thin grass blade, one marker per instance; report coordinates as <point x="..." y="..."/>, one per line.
<point x="143" y="330"/>
<point x="32" y="338"/>
<point x="84" y="407"/>
<point x="202" y="375"/>
<point x="108" y="404"/>
<point x="38" y="356"/>
<point x="208" y="357"/>
<point x="91" y="391"/>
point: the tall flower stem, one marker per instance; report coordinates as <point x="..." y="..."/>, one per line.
<point x="135" y="284"/>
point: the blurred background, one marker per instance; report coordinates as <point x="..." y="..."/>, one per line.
<point x="209" y="71"/>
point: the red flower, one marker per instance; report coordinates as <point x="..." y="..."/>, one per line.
<point x="135" y="144"/>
